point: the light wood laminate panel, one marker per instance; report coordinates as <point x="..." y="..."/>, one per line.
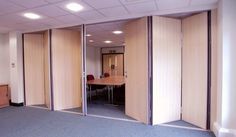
<point x="46" y="69"/>
<point x="214" y="70"/>
<point x="166" y="69"/>
<point x="66" y="63"/>
<point x="194" y="88"/>
<point x="34" y="69"/>
<point x="136" y="69"/>
<point x="4" y="96"/>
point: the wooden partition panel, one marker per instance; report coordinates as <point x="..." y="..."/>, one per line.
<point x="66" y="63"/>
<point x="136" y="70"/>
<point x="46" y="69"/>
<point x="34" y="69"/>
<point x="195" y="57"/>
<point x="214" y="70"/>
<point x="166" y="69"/>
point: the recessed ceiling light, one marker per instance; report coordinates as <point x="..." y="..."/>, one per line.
<point x="91" y="40"/>
<point x="107" y="41"/>
<point x="117" y="32"/>
<point x="32" y="16"/>
<point x="74" y="7"/>
<point x="88" y="35"/>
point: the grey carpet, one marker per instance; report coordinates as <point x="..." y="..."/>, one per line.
<point x="33" y="122"/>
<point x="78" y="110"/>
<point x="108" y="110"/>
<point x="182" y="123"/>
<point x="41" y="105"/>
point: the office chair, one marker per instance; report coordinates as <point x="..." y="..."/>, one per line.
<point x="106" y="75"/>
<point x="91" y="77"/>
<point x="93" y="87"/>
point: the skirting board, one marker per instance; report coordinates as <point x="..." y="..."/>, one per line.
<point x="16" y="104"/>
<point x="223" y="132"/>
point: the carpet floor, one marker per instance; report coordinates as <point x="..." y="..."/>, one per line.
<point x="34" y="122"/>
<point x="76" y="110"/>
<point x="182" y="124"/>
<point x="108" y="110"/>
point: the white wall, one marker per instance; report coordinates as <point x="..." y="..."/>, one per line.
<point x="225" y="126"/>
<point x="4" y="59"/>
<point x="16" y="67"/>
<point x="93" y="60"/>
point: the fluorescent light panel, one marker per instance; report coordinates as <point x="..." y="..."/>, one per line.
<point x="107" y="41"/>
<point x="88" y="35"/>
<point x="74" y="7"/>
<point x="32" y="16"/>
<point x="117" y="32"/>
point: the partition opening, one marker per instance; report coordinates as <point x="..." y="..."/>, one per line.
<point x="105" y="70"/>
<point x="109" y="58"/>
<point x="67" y="69"/>
<point x="37" y="69"/>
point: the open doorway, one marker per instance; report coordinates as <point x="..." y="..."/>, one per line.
<point x="105" y="60"/>
<point x="117" y="55"/>
<point x="123" y="96"/>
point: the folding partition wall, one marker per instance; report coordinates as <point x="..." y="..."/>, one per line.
<point x="166" y="69"/>
<point x="36" y="68"/>
<point x="136" y="70"/>
<point x="66" y="68"/>
<point x="179" y="65"/>
<point x="195" y="69"/>
<point x="180" y="69"/>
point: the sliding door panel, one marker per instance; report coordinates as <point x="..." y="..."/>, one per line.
<point x="195" y="57"/>
<point x="66" y="63"/>
<point x="166" y="69"/>
<point x="136" y="69"/>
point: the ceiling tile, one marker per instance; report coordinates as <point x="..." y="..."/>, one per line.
<point x="90" y="15"/>
<point x="8" y="7"/>
<point x="99" y="4"/>
<point x="93" y="27"/>
<point x="29" y="3"/>
<point x="103" y="31"/>
<point x="127" y="2"/>
<point x="51" y="22"/>
<point x="115" y="11"/>
<point x="51" y="11"/>
<point x="5" y="29"/>
<point x="64" y="3"/>
<point x="111" y="28"/>
<point x="69" y="19"/>
<point x="142" y="7"/>
<point x="38" y="25"/>
<point x="18" y="27"/>
<point x="53" y="1"/>
<point x="171" y="4"/>
<point x="12" y="19"/>
<point x="202" y="2"/>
